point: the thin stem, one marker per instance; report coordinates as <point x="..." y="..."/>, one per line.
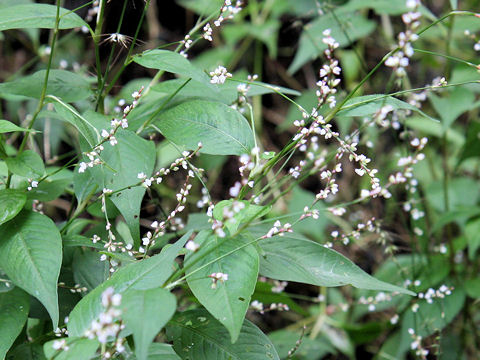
<point x="44" y="90"/>
<point x="100" y="96"/>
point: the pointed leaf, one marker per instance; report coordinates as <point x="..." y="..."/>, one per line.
<point x="141" y="275"/>
<point x="221" y="129"/>
<point x="159" y="351"/>
<point x="31" y="256"/>
<point x="78" y="349"/>
<point x="345" y="30"/>
<point x="298" y="259"/>
<point x="28" y="164"/>
<point x="132" y="155"/>
<point x="145" y="313"/>
<point x="66" y="85"/>
<point x="370" y="104"/>
<point x="7" y="126"/>
<point x="11" y="202"/>
<point x="14" y="306"/>
<point x="210" y="341"/>
<point x="172" y="62"/>
<point x="229" y="301"/>
<point x="40" y="16"/>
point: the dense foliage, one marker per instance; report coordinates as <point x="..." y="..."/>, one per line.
<point x="277" y="179"/>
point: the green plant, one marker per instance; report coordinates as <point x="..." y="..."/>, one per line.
<point x="98" y="175"/>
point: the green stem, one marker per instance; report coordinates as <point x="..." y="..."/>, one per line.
<point x="96" y="41"/>
<point x="44" y="90"/>
<point x="100" y="96"/>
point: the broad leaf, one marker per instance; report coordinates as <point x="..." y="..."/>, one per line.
<point x="65" y="85"/>
<point x="28" y="164"/>
<point x="48" y="190"/>
<point x="131" y="156"/>
<point x="221" y="129"/>
<point x="432" y="318"/>
<point x="87" y="268"/>
<point x="345" y="30"/>
<point x="161" y="351"/>
<point x="31" y="256"/>
<point x="7" y="126"/>
<point x="14" y="306"/>
<point x="450" y="107"/>
<point x="172" y="62"/>
<point x="40" y="16"/>
<point x="11" y="202"/>
<point x="472" y="145"/>
<point x="472" y="232"/>
<point x="78" y="349"/>
<point x="229" y="301"/>
<point x="248" y="213"/>
<point x="298" y="259"/>
<point x="141" y="275"/>
<point x="211" y="341"/>
<point x="145" y="313"/>
<point x="371" y="104"/>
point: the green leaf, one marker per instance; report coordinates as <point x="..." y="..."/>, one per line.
<point x="196" y="89"/>
<point x="220" y="129"/>
<point x="449" y="108"/>
<point x="14" y="306"/>
<point x="69" y="114"/>
<point x="26" y="351"/>
<point x="78" y="349"/>
<point x="472" y="144"/>
<point x="211" y="341"/>
<point x="145" y="313"/>
<point x="433" y="317"/>
<point x="472" y="232"/>
<point x="159" y="351"/>
<point x="63" y="84"/>
<point x="248" y="213"/>
<point x="202" y="7"/>
<point x="48" y="190"/>
<point x="88" y="270"/>
<point x="31" y="256"/>
<point x="298" y="259"/>
<point x="7" y="126"/>
<point x="80" y="241"/>
<point x="11" y="202"/>
<point x="345" y="30"/>
<point x="131" y="156"/>
<point x="285" y="340"/>
<point x="172" y="62"/>
<point x="229" y="301"/>
<point x="40" y="16"/>
<point x="141" y="275"/>
<point x="370" y="104"/>
<point x="29" y="164"/>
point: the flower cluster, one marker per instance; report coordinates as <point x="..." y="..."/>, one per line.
<point x="93" y="11"/>
<point x="416" y="344"/>
<point x="109" y="135"/>
<point x="370" y="226"/>
<point x="431" y="294"/>
<point x="328" y="73"/>
<point x="219" y="75"/>
<point x="278" y="229"/>
<point x="401" y="58"/>
<point x="216" y="277"/>
<point x="32" y="184"/>
<point x="262" y="309"/>
<point x="372" y="301"/>
<point x="107" y="327"/>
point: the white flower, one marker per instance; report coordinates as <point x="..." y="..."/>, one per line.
<point x="219" y="75"/>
